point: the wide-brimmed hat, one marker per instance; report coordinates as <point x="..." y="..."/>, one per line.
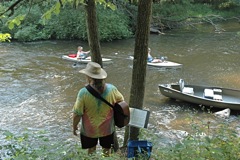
<point x="94" y="70"/>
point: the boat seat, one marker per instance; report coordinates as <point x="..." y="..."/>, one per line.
<point x="217" y="97"/>
<point x="208" y="93"/>
<point x="188" y="90"/>
<point x="217" y="91"/>
<point x="217" y="94"/>
<point x="183" y="89"/>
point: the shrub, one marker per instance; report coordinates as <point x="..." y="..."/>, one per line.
<point x="219" y="142"/>
<point x="70" y="23"/>
<point x="206" y="141"/>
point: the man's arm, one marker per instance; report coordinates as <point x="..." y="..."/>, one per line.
<point x="76" y="120"/>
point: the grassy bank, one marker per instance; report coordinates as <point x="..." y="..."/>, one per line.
<point x="205" y="142"/>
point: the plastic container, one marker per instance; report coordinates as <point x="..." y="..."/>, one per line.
<point x="139" y="148"/>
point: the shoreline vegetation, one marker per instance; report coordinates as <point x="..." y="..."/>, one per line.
<point x="116" y="24"/>
<point x="205" y="141"/>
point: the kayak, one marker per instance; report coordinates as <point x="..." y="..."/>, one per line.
<point x="72" y="57"/>
<point x="164" y="64"/>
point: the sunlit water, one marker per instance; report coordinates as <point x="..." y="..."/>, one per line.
<point x="38" y="88"/>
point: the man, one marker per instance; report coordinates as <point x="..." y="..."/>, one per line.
<point x="96" y="116"/>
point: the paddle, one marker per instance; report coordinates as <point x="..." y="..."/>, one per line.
<point x="74" y="64"/>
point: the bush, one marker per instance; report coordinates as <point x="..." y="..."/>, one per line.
<point x="206" y="141"/>
<point x="113" y="24"/>
<point x="70" y="23"/>
<point x="31" y="146"/>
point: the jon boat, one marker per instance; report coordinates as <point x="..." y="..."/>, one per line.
<point x="205" y="95"/>
<point x="72" y="57"/>
<point x="164" y="64"/>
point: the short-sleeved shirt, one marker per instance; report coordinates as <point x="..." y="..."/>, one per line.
<point x="96" y="116"/>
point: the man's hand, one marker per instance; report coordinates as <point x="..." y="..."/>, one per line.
<point x="75" y="131"/>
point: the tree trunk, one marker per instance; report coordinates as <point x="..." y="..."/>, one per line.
<point x="140" y="59"/>
<point x="94" y="43"/>
<point x="92" y="29"/>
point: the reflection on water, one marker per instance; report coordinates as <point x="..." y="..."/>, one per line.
<point x="38" y="88"/>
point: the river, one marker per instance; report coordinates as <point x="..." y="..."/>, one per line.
<point x="38" y="88"/>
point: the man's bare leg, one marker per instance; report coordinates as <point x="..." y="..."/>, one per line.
<point x="92" y="150"/>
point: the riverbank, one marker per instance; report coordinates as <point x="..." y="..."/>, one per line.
<point x="220" y="142"/>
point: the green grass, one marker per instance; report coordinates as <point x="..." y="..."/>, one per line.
<point x="205" y="141"/>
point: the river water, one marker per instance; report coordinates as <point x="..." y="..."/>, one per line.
<point x="38" y="88"/>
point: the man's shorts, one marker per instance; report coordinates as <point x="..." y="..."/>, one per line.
<point x="105" y="142"/>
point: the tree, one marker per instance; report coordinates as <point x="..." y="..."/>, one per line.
<point x="92" y="28"/>
<point x="140" y="59"/>
<point x="93" y="34"/>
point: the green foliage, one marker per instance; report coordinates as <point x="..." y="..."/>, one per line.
<point x="223" y="143"/>
<point x="221" y="4"/>
<point x="41" y="23"/>
<point x="175" y="14"/>
<point x="16" y="21"/>
<point x="205" y="141"/>
<point x="69" y="24"/>
<point x="229" y="5"/>
<point x="5" y="37"/>
<point x="131" y="12"/>
<point x="55" y="9"/>
<point x="51" y="20"/>
<point x="114" y="25"/>
<point x="107" y="4"/>
<point x="30" y="33"/>
<point x="36" y="145"/>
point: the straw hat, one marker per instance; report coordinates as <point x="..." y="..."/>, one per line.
<point x="94" y="70"/>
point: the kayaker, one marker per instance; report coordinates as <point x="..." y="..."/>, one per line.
<point x="151" y="59"/>
<point x="82" y="54"/>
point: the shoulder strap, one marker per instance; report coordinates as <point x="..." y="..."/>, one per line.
<point x="97" y="95"/>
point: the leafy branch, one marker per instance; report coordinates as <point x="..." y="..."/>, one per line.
<point x="11" y="8"/>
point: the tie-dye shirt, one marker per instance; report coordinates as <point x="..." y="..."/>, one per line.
<point x="96" y="116"/>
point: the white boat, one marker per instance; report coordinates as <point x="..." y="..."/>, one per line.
<point x="204" y="95"/>
<point x="164" y="64"/>
<point x="72" y="57"/>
